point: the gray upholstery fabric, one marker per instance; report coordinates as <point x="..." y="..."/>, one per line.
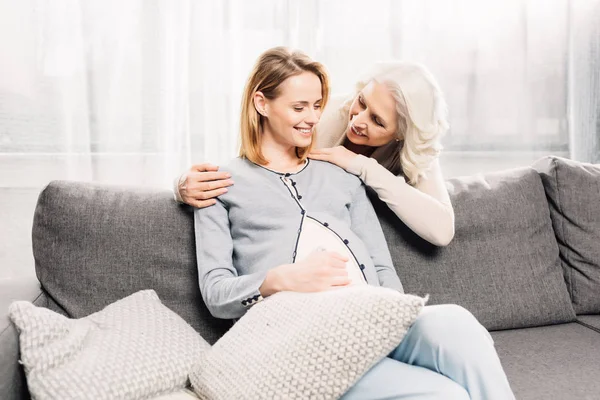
<point x="591" y="321"/>
<point x="502" y="264"/>
<point x="551" y="362"/>
<point x="573" y="191"/>
<point x="12" y="378"/>
<point x="96" y="244"/>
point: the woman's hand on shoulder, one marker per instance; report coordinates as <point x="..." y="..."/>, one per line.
<point x="200" y="186"/>
<point x="339" y="155"/>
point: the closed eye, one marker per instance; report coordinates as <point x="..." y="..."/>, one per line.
<point x="374" y="117"/>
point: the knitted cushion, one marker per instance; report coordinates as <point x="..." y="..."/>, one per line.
<point x="184" y="394"/>
<point x="305" y="345"/>
<point x="135" y="348"/>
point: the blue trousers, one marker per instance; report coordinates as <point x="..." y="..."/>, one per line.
<point x="446" y="354"/>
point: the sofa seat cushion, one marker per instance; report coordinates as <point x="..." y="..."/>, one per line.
<point x="573" y="190"/>
<point x="551" y="362"/>
<point x="305" y="345"/>
<point x="502" y="264"/>
<point x="591" y="321"/>
<point x="135" y="348"/>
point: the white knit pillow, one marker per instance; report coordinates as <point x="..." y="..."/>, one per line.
<point x="135" y="348"/>
<point x="305" y="345"/>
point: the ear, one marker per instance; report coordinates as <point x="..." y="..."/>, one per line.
<point x="400" y="136"/>
<point x="260" y="103"/>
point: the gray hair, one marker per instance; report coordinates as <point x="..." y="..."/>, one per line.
<point x="422" y="117"/>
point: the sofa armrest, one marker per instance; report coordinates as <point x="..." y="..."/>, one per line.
<point x="13" y="385"/>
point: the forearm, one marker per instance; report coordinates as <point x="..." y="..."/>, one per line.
<point x="226" y="294"/>
<point x="230" y="297"/>
<point x="427" y="216"/>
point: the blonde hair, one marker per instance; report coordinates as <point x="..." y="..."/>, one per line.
<point x="270" y="70"/>
<point x="422" y="118"/>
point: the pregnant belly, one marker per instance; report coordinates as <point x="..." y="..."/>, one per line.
<point x="314" y="236"/>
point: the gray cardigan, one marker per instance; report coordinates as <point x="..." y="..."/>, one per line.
<point x="256" y="225"/>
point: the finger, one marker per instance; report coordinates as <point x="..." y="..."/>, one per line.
<point x="337" y="265"/>
<point x="210" y="194"/>
<point x="340" y="281"/>
<point x="321" y="157"/>
<point x="212" y="185"/>
<point x="208" y="176"/>
<point x="204" y="167"/>
<point x="336" y="270"/>
<point x="338" y="256"/>
<point x="330" y="264"/>
<point x="321" y="152"/>
<point x="202" y="203"/>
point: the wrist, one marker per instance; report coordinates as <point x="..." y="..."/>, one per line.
<point x="272" y="283"/>
<point x="178" y="184"/>
<point x="357" y="164"/>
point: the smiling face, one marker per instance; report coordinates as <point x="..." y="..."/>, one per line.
<point x="373" y="117"/>
<point x="290" y="117"/>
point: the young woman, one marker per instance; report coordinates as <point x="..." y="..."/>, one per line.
<point x="387" y="133"/>
<point x="294" y="224"/>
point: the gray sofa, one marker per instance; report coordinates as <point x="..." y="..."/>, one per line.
<point x="525" y="261"/>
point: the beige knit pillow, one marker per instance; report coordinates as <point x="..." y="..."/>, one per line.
<point x="135" y="348"/>
<point x="305" y="345"/>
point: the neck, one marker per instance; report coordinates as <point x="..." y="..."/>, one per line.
<point x="280" y="157"/>
<point x="358" y="149"/>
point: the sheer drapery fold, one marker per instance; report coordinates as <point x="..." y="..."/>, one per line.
<point x="135" y="91"/>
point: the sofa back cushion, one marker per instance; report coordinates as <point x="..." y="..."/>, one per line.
<point x="502" y="264"/>
<point x="94" y="245"/>
<point x="573" y="191"/>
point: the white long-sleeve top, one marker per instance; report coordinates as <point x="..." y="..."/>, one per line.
<point x="418" y="207"/>
<point x="425" y="208"/>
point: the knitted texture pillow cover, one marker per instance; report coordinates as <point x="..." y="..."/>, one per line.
<point x="305" y="345"/>
<point x="135" y="348"/>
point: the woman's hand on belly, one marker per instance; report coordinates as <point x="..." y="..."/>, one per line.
<point x="319" y="271"/>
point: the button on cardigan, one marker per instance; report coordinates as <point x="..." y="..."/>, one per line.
<point x="257" y="225"/>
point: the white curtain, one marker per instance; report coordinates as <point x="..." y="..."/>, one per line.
<point x="134" y="91"/>
<point x="584" y="79"/>
<point x="94" y="90"/>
